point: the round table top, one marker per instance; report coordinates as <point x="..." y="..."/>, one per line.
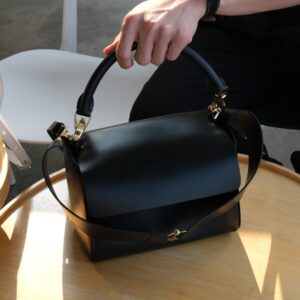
<point x="4" y="174"/>
<point x="41" y="257"/>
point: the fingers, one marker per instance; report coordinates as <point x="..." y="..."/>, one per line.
<point x="161" y="45"/>
<point x="110" y="48"/>
<point x="160" y="29"/>
<point x="149" y="50"/>
<point x="143" y="54"/>
<point x="180" y="41"/>
<point x="128" y="36"/>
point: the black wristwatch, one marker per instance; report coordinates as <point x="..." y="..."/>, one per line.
<point x="211" y="7"/>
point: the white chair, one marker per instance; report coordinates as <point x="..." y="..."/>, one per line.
<point x="69" y="26"/>
<point x="42" y="86"/>
<point x="16" y="153"/>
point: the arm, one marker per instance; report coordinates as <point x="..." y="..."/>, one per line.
<point x="162" y="28"/>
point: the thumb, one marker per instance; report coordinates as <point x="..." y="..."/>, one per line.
<point x="111" y="47"/>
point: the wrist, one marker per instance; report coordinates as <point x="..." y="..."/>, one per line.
<point x="198" y="8"/>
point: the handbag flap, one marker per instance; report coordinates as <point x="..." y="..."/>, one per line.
<point x="156" y="162"/>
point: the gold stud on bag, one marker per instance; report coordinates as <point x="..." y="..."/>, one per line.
<point x="144" y="185"/>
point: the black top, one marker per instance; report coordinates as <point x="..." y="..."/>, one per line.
<point x="263" y="25"/>
<point x="283" y="18"/>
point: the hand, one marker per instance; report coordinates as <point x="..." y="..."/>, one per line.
<point x="161" y="28"/>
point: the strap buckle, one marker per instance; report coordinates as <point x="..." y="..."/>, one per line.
<point x="175" y="234"/>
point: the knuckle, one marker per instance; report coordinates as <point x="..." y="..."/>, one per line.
<point x="149" y="26"/>
<point x="129" y="18"/>
<point x="165" y="31"/>
<point x="128" y="21"/>
<point x="183" y="38"/>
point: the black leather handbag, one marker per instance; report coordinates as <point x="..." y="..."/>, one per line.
<point x="155" y="182"/>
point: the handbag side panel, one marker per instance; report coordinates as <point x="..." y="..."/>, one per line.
<point x="97" y="249"/>
<point x="162" y="219"/>
<point x="75" y="184"/>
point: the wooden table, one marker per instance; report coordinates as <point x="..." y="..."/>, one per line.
<point x="4" y="174"/>
<point x="41" y="258"/>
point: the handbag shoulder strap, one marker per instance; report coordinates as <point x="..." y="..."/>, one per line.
<point x="242" y="122"/>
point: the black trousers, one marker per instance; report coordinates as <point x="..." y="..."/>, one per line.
<point x="257" y="70"/>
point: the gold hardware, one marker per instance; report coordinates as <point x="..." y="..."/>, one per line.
<point x="65" y="134"/>
<point x="218" y="105"/>
<point x="215" y="109"/>
<point x="80" y="127"/>
<point x="221" y="95"/>
<point x="175" y="234"/>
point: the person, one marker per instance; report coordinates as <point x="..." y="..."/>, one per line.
<point x="253" y="44"/>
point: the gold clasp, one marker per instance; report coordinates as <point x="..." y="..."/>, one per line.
<point x="59" y="130"/>
<point x="217" y="105"/>
<point x="175" y="234"/>
<point x="80" y="127"/>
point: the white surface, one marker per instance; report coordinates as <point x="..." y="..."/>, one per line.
<point x="69" y="26"/>
<point x="42" y="86"/>
<point x="14" y="149"/>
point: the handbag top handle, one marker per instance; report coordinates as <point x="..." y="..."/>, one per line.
<point x="85" y="102"/>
